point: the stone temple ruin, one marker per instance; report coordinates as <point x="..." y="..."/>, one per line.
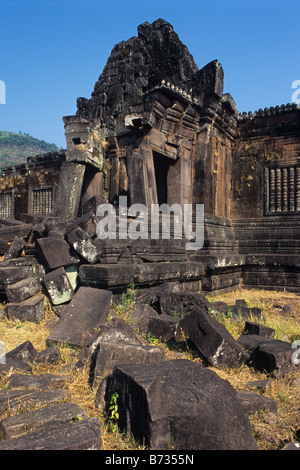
<point x="158" y="129"/>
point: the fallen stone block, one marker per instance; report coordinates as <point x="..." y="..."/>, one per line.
<point x="10" y="365"/>
<point x="50" y="355"/>
<point x="32" y="309"/>
<point x="72" y="274"/>
<point x="55" y="253"/>
<point x="181" y="304"/>
<point x="104" y="276"/>
<point x="59" y="309"/>
<point x="78" y="435"/>
<point x="253" y="402"/>
<point x="14" y="229"/>
<point x="179" y="403"/>
<point x="259" y="384"/>
<point x="219" y="309"/>
<point x="291" y="446"/>
<point x="110" y="355"/>
<point x="213" y="340"/>
<point x="33" y="421"/>
<point x="253" y="328"/>
<point x="274" y="356"/>
<point x="24" y="352"/>
<point x="240" y="312"/>
<point x="148" y="273"/>
<point x="251" y="342"/>
<point x="58" y="286"/>
<point x="153" y="296"/>
<point x="87" y="310"/>
<point x="22" y="290"/>
<point x="117" y="330"/>
<point x="87" y="222"/>
<point x="39" y="382"/>
<point x="114" y="331"/>
<point x="15" y="249"/>
<point x="21" y="399"/>
<point x="140" y="317"/>
<point x="28" y="260"/>
<point x="84" y="245"/>
<point x="13" y="274"/>
<point x="165" y="327"/>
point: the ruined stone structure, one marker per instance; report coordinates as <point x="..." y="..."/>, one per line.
<point x="158" y="129"/>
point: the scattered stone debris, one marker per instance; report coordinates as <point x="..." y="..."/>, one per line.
<point x="120" y="358"/>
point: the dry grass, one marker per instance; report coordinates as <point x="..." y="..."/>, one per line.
<point x="270" y="432"/>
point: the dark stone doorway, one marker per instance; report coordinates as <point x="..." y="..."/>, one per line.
<point x="161" y="168"/>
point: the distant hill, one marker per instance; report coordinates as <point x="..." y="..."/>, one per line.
<point x="15" y="148"/>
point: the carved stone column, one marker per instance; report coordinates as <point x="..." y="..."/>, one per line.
<point x="284" y="189"/>
<point x="278" y="189"/>
<point x="272" y="189"/>
<point x="297" y="189"/>
<point x="291" y="188"/>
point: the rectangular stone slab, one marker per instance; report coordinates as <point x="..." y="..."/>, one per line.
<point x="77" y="435"/>
<point x="55" y="252"/>
<point x="87" y="310"/>
<point x="23" y="289"/>
<point x="213" y="340"/>
<point x="58" y="286"/>
<point x="15" y="426"/>
<point x="12" y="274"/>
<point x="32" y="309"/>
<point x="14" y="399"/>
<point x="38" y="382"/>
<point x="164" y="272"/>
<point x="106" y="275"/>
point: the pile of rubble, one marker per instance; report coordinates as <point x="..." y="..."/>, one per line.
<point x="165" y="403"/>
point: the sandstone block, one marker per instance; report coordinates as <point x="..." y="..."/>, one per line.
<point x="181" y="403"/>
<point x="32" y="309"/>
<point x="58" y="286"/>
<point x="23" y="289"/>
<point x="213" y="340"/>
<point x="87" y="310"/>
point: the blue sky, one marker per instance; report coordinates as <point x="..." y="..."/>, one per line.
<point x="54" y="51"/>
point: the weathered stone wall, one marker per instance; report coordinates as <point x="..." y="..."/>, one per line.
<point x="39" y="172"/>
<point x="268" y="138"/>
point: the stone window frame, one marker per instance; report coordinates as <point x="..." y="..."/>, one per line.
<point x="12" y="193"/>
<point x="282" y="187"/>
<point x="40" y="188"/>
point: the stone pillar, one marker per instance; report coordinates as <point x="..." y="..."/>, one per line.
<point x="92" y="184"/>
<point x="137" y="175"/>
<point x="179" y="182"/>
<point x="69" y="190"/>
